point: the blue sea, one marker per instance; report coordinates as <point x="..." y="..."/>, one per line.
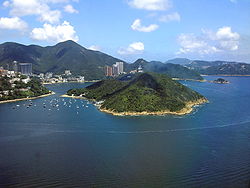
<point x="64" y="142"/>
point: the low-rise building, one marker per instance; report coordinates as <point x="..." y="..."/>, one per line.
<point x="3" y="72"/>
<point x="67" y="72"/>
<point x="14" y="79"/>
<point x="26" y="80"/>
<point x="48" y="75"/>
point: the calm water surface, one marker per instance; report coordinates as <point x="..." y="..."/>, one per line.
<point x="63" y="142"/>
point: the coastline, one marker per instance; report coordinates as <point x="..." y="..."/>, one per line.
<point x="202" y="80"/>
<point x="75" y="97"/>
<point x="31" y="98"/>
<point x="48" y="83"/>
<point x="227" y="75"/>
<point x="187" y="110"/>
<point x="193" y="80"/>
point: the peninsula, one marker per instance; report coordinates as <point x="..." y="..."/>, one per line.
<point x="19" y="88"/>
<point x="144" y="94"/>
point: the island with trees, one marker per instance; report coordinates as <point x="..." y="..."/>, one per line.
<point x="143" y="94"/>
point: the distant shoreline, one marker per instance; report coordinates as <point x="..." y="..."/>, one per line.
<point x="193" y="80"/>
<point x="228" y="75"/>
<point x="23" y="99"/>
<point x="46" y="83"/>
<point x="187" y="110"/>
<point x="74" y="97"/>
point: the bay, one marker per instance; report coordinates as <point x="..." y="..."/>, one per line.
<point x="64" y="142"/>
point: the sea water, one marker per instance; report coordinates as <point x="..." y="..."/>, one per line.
<point x="65" y="142"/>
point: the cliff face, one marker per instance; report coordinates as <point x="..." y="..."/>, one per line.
<point x="147" y="93"/>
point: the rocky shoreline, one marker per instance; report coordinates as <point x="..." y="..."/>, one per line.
<point x="187" y="110"/>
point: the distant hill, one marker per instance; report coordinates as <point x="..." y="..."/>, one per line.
<point x="146" y="93"/>
<point x="63" y="56"/>
<point x="227" y="69"/>
<point x="219" y="67"/>
<point x="133" y="66"/>
<point x="172" y="70"/>
<point x="180" y="61"/>
<point x="198" y="64"/>
<point x="69" y="55"/>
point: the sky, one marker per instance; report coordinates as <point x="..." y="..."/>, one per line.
<point x="131" y="29"/>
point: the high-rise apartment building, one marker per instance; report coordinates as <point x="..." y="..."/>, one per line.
<point x="115" y="70"/>
<point x="120" y="67"/>
<point x="25" y="68"/>
<point x="108" y="71"/>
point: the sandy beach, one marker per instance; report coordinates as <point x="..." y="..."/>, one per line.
<point x="75" y="97"/>
<point x="49" y="83"/>
<point x="30" y="98"/>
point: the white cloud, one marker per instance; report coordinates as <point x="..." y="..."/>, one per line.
<point x="226" y="33"/>
<point x="14" y="23"/>
<point x="70" y="9"/>
<point x="192" y="44"/>
<point x="134" y="48"/>
<point x="150" y="4"/>
<point x="57" y="33"/>
<point x="95" y="48"/>
<point x="19" y="8"/>
<point x="6" y="3"/>
<point x="233" y="1"/>
<point x="51" y="16"/>
<point x="210" y="42"/>
<point x="56" y="1"/>
<point x="170" y="17"/>
<point x="137" y="26"/>
<point x="228" y="40"/>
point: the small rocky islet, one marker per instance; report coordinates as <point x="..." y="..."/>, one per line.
<point x="221" y="81"/>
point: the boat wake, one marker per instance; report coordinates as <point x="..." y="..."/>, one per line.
<point x="177" y="130"/>
<point x="37" y="132"/>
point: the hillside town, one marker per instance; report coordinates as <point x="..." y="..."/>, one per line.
<point x="118" y="68"/>
<point x="16" y="69"/>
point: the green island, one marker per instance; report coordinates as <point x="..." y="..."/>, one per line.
<point x="15" y="89"/>
<point x="143" y="94"/>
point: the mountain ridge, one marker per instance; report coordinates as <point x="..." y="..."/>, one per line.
<point x="69" y="55"/>
<point x="58" y="58"/>
<point x="170" y="69"/>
